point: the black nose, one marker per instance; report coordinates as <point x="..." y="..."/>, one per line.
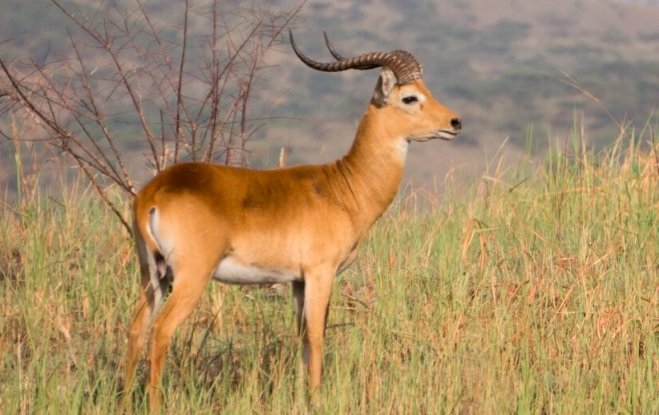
<point x="456" y="124"/>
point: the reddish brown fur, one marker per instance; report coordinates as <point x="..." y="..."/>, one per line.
<point x="308" y="219"/>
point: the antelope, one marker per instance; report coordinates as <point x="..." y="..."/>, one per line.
<point x="194" y="222"/>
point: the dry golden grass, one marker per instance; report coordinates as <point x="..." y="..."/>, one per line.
<point x="537" y="292"/>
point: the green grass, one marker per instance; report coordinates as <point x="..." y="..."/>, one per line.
<point x="535" y="292"/>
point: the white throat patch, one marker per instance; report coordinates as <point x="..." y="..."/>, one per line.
<point x="402" y="149"/>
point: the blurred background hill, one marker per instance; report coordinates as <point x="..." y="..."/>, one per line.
<point x="511" y="68"/>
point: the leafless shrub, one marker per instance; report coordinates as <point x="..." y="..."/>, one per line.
<point x="168" y="92"/>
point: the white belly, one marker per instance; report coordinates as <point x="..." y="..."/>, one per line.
<point x="233" y="272"/>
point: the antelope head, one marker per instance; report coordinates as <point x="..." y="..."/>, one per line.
<point x="403" y="102"/>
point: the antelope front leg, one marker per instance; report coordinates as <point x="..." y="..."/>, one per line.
<point x="317" y="290"/>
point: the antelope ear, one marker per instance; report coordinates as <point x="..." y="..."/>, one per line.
<point x="386" y="83"/>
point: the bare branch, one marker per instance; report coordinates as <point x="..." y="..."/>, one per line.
<point x="179" y="87"/>
<point x="131" y="86"/>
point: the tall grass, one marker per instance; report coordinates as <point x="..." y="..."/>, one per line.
<point x="535" y="292"/>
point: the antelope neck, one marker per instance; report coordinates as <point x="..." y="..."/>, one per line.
<point x="373" y="168"/>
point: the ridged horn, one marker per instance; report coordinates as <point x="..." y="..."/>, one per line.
<point x="403" y="64"/>
<point x="340" y="57"/>
<point x="331" y="48"/>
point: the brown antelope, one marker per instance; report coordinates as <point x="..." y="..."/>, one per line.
<point x="195" y="222"/>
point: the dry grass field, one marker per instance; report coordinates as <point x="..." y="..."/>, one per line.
<point x="534" y="290"/>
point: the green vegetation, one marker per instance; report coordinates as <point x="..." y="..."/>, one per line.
<point x="535" y="292"/>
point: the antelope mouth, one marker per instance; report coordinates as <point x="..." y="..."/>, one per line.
<point x="446" y="134"/>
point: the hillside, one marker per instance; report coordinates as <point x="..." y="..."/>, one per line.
<point x="500" y="64"/>
<point x="505" y="65"/>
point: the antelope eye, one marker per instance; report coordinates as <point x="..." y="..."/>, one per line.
<point x="410" y="99"/>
